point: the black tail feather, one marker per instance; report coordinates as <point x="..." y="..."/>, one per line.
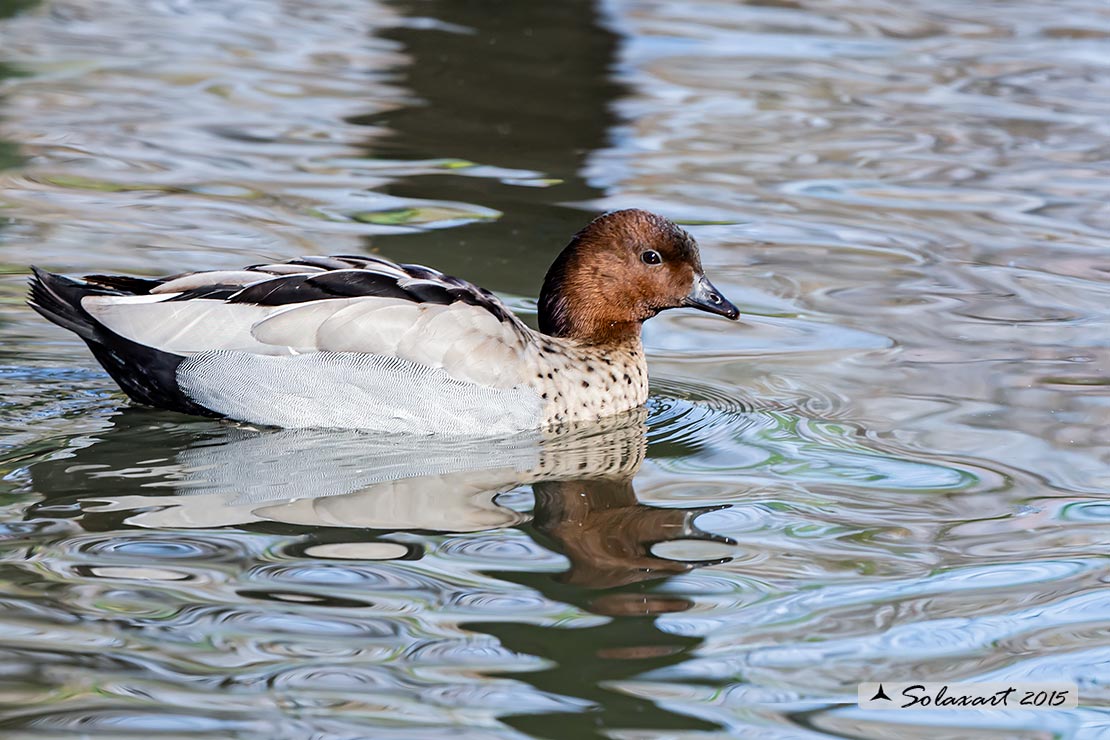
<point x="58" y="299"/>
<point x="146" y="374"/>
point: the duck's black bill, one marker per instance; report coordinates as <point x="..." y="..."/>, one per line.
<point x="704" y="296"/>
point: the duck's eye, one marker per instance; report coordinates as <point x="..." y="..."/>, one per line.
<point x="651" y="257"/>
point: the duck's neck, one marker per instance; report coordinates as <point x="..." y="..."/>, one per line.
<point x="596" y="333"/>
<point x="576" y="303"/>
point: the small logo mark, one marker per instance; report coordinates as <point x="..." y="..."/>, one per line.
<point x="880" y="694"/>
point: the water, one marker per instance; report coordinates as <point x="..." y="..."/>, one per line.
<point x="895" y="468"/>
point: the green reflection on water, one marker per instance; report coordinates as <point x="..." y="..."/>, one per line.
<point x="9" y="151"/>
<point x="8" y="8"/>
<point x="523" y="86"/>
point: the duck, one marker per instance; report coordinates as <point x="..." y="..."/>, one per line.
<point x="362" y="342"/>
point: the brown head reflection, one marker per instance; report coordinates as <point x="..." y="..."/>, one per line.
<point x="608" y="535"/>
<point x="586" y="508"/>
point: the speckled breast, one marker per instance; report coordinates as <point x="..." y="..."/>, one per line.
<point x="583" y="382"/>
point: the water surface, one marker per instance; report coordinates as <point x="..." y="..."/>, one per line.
<point x="896" y="468"/>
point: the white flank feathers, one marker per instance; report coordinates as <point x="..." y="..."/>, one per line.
<point x="354" y="391"/>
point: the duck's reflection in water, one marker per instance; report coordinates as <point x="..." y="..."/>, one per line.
<point x="347" y="493"/>
<point x="585" y="504"/>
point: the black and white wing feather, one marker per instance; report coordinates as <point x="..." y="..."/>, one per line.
<point x="364" y="305"/>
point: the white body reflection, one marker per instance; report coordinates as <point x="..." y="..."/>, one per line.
<point x="354" y="479"/>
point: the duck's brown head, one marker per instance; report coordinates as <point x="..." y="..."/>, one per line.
<point x="619" y="271"/>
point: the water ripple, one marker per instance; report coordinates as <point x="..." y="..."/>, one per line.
<point x="886" y="195"/>
<point x="787" y="446"/>
<point x="894" y="464"/>
<point x="499" y="551"/>
<point x="159" y="547"/>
